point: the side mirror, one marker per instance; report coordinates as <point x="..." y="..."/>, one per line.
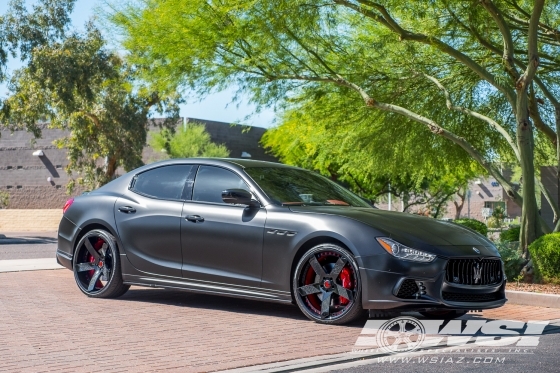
<point x="238" y="197"/>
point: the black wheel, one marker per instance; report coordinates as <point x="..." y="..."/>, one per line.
<point x="443" y="314"/>
<point x="327" y="286"/>
<point x="97" y="267"/>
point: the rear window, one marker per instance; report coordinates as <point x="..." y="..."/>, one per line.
<point x="165" y="182"/>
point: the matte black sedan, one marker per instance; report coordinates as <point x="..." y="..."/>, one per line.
<point x="268" y="231"/>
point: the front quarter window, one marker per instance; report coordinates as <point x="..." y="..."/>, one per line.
<point x="295" y="187"/>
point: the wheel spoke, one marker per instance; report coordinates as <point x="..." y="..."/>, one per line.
<point x="402" y="326"/>
<point x="94" y="279"/>
<point x="106" y="273"/>
<point x="103" y="250"/>
<point x="82" y="267"/>
<point x="317" y="267"/>
<point x="326" y="305"/>
<point x="91" y="250"/>
<point x="309" y="289"/>
<point x="340" y="263"/>
<point x="343" y="292"/>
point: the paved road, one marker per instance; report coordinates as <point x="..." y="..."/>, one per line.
<point x="28" y="245"/>
<point x="544" y="359"/>
<point x="49" y="325"/>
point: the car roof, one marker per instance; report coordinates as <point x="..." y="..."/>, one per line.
<point x="238" y="162"/>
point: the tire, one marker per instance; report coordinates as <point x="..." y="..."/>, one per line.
<point x="97" y="267"/>
<point x="321" y="277"/>
<point x="443" y="314"/>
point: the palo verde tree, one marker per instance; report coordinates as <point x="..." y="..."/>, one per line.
<point x="77" y="84"/>
<point x="334" y="138"/>
<point x="188" y="141"/>
<point x="490" y="61"/>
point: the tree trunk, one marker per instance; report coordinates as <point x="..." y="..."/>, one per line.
<point x="530" y="224"/>
<point x="459" y="206"/>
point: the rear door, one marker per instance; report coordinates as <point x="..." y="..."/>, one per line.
<point x="221" y="242"/>
<point x="148" y="219"/>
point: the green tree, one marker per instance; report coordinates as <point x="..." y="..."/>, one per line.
<point x="21" y="30"/>
<point x="77" y="84"/>
<point x="192" y="140"/>
<point x="490" y="64"/>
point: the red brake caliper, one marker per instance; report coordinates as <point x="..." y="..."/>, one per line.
<point x="346" y="279"/>
<point x="97" y="245"/>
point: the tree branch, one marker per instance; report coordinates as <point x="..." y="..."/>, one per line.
<point x="433" y="41"/>
<point x="506" y="35"/>
<point x="474" y="114"/>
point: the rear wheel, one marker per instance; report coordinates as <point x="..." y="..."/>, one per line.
<point x="97" y="267"/>
<point x="327" y="285"/>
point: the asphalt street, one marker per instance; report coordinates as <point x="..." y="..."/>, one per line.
<point x="28" y="246"/>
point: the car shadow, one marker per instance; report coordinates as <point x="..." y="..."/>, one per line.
<point x="27" y="240"/>
<point x="179" y="298"/>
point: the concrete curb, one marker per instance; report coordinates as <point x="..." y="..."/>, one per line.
<point x="18" y="265"/>
<point x="533" y="299"/>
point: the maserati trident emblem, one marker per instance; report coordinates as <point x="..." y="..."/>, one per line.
<point x="477" y="274"/>
<point x="476" y="250"/>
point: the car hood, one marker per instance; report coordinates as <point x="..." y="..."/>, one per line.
<point x="436" y="236"/>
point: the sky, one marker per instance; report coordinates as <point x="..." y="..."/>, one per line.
<point x="217" y="106"/>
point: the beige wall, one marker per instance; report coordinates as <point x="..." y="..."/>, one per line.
<point x="44" y="220"/>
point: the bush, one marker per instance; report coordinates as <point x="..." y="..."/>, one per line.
<point x="4" y="200"/>
<point x="513" y="261"/>
<point x="473" y="224"/>
<point x="510" y="235"/>
<point x="545" y="253"/>
<point x="493" y="222"/>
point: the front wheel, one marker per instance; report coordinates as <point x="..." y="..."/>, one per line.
<point x="327" y="285"/>
<point x="97" y="267"/>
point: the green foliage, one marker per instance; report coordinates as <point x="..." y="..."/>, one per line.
<point x="545" y="253"/>
<point x="493" y="222"/>
<point x="79" y="85"/>
<point x="406" y="83"/>
<point x="190" y="141"/>
<point x="4" y="199"/>
<point x="513" y="260"/>
<point x="473" y="224"/>
<point x="21" y="31"/>
<point x="510" y="235"/>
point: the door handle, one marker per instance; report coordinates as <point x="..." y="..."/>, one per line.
<point x="127" y="209"/>
<point x="195" y="218"/>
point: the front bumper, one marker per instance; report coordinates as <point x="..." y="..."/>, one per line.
<point x="380" y="287"/>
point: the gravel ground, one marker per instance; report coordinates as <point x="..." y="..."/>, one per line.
<point x="534" y="288"/>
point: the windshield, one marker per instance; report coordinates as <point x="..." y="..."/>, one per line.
<point x="294" y="187"/>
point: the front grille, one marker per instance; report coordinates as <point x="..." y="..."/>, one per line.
<point x="474" y="271"/>
<point x="407" y="289"/>
<point x="469" y="297"/>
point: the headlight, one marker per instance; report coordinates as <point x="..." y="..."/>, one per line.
<point x="404" y="252"/>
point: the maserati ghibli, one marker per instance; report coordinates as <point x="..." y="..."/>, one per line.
<point x="268" y="231"/>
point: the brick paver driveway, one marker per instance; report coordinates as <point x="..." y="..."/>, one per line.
<point x="46" y="324"/>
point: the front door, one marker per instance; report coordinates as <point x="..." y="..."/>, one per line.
<point x="222" y="243"/>
<point x="148" y="218"/>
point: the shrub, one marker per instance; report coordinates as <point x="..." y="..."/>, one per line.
<point x="493" y="222"/>
<point x="510" y="235"/>
<point x="513" y="261"/>
<point x="473" y="224"/>
<point x="545" y="253"/>
<point x="4" y="199"/>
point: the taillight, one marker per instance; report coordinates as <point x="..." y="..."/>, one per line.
<point x="67" y="205"/>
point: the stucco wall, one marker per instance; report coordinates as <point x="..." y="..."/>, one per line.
<point x="36" y="220"/>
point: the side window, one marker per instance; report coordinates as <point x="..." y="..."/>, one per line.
<point x="211" y="181"/>
<point x="163" y="182"/>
